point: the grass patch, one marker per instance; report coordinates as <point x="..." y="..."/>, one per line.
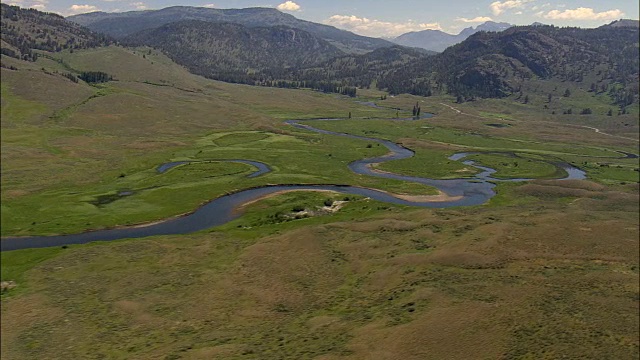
<point x="520" y="166"/>
<point x="430" y="163"/>
<point x="497" y="116"/>
<point x="329" y="284"/>
<point x="16" y="108"/>
<point x="239" y="138"/>
<point x="15" y="265"/>
<point x="473" y="140"/>
<point x="612" y="171"/>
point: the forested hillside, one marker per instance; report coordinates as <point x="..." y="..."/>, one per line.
<point x="361" y="70"/>
<point x="497" y="64"/>
<point x="235" y="53"/>
<point x="25" y="30"/>
<point x="121" y="25"/>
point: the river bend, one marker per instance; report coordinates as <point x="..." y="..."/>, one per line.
<point x="462" y="192"/>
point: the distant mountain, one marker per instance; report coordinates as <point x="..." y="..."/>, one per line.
<point x="497" y="64"/>
<point x="232" y="52"/>
<point x="25" y="30"/>
<point x="436" y="40"/>
<point x="624" y="23"/>
<point x="493" y="26"/>
<point x="120" y="25"/>
<point x="489" y="26"/>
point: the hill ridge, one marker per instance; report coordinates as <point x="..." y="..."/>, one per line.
<point x="120" y="25"/>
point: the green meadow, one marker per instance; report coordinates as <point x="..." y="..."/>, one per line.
<point x="545" y="269"/>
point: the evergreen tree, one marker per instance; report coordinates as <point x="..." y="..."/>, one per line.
<point x="95" y="76"/>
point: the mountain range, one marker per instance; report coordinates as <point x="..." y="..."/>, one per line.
<point x="490" y="64"/>
<point x="120" y="25"/>
<point x="259" y="46"/>
<point x="436" y="40"/>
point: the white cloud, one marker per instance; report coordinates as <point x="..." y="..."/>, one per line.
<point x="80" y="9"/>
<point x="369" y="27"/>
<point x="498" y="7"/>
<point x="29" y="4"/>
<point x="288" y="6"/>
<point x="210" y="6"/>
<point x="582" y="13"/>
<point x="139" y="5"/>
<point x="536" y="7"/>
<point x="478" y="19"/>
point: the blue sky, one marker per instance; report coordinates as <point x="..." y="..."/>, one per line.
<point x="387" y="18"/>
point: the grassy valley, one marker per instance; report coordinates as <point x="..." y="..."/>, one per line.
<point x="546" y="269"/>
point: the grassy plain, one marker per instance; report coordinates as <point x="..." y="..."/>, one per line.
<point x="87" y="137"/>
<point x="547" y="269"/>
<point x="548" y="279"/>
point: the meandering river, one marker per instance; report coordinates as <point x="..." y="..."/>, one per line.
<point x="460" y="192"/>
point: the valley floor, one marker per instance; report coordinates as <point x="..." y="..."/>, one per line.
<point x="546" y="269"/>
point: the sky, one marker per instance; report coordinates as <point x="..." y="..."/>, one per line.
<point x="386" y="18"/>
